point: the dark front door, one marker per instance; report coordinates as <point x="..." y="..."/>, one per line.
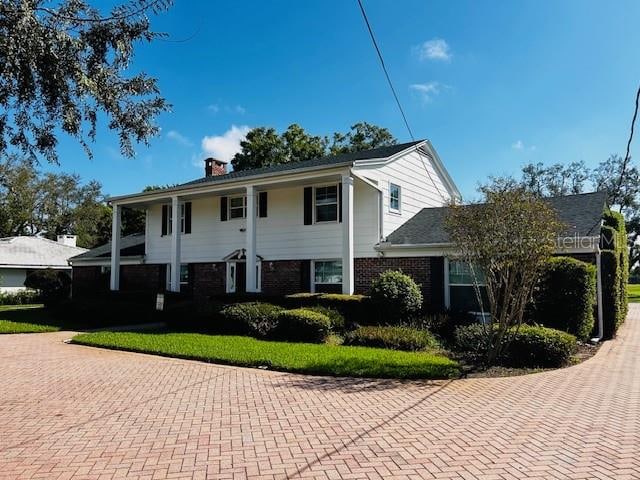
<point x="241" y="277"/>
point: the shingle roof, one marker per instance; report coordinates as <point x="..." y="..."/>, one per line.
<point x="345" y="158"/>
<point x="35" y="252"/>
<point x="131" y="245"/>
<point x="581" y="214"/>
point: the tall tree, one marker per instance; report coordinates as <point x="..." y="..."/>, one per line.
<point x="264" y="147"/>
<point x="64" y="64"/>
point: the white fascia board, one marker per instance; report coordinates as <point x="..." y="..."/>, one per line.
<point x="365" y="180"/>
<point x="55" y="267"/>
<point x="106" y="261"/>
<point x="444" y="173"/>
<point x="269" y="178"/>
<point x="373" y="162"/>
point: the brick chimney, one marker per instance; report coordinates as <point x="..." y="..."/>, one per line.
<point x="213" y="167"/>
<point x="68" y="240"/>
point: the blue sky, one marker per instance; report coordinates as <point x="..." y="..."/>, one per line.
<point x="492" y="84"/>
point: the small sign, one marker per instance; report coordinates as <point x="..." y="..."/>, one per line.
<point x="160" y="302"/>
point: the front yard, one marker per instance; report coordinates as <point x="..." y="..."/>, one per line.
<point x="633" y="292"/>
<point x="318" y="359"/>
<point x="26" y="319"/>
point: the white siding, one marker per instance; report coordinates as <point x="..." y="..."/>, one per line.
<point x="420" y="184"/>
<point x="280" y="236"/>
<point x="12" y="279"/>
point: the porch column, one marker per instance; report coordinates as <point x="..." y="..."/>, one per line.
<point x="600" y="333"/>
<point x="175" y="244"/>
<point x="116" y="224"/>
<point x="251" y="240"/>
<point x="347" y="235"/>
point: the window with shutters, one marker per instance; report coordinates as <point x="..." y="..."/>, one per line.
<point x="238" y="207"/>
<point x="326" y="203"/>
<point x="185" y="221"/>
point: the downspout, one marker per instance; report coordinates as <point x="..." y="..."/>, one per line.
<point x="600" y="333"/>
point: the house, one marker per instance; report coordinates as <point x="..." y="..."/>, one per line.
<point x="22" y="254"/>
<point x="304" y="226"/>
<point x="330" y="224"/>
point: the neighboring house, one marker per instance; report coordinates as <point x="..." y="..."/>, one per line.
<point x="305" y="226"/>
<point x="20" y="255"/>
<point x="330" y="224"/>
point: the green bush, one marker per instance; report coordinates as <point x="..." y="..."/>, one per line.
<point x="396" y="296"/>
<point x="530" y="346"/>
<point x="393" y="337"/>
<point x="354" y="308"/>
<point x="22" y="297"/>
<point x="335" y="317"/>
<point x="302" y="325"/>
<point x="615" y="272"/>
<point x="251" y="318"/>
<point x="565" y="297"/>
<point x="53" y="285"/>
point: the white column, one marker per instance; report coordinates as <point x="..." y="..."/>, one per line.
<point x="251" y="240"/>
<point x="599" y="294"/>
<point x="175" y="244"/>
<point x="347" y="235"/>
<point x="116" y="224"/>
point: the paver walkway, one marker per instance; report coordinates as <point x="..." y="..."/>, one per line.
<point x="69" y="411"/>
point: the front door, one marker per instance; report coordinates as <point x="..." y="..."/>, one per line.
<point x="236" y="277"/>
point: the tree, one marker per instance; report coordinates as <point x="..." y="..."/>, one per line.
<point x="362" y="136"/>
<point x="507" y="240"/>
<point x="63" y="66"/>
<point x="264" y="147"/>
<point x="556" y="179"/>
<point x="621" y="182"/>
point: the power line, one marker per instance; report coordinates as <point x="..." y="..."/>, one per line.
<point x="384" y="67"/>
<point x="627" y="158"/>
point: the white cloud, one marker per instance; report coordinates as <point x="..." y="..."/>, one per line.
<point x="436" y="49"/>
<point x="426" y="91"/>
<point x="225" y="146"/>
<point x="216" y="108"/>
<point x="213" y="108"/>
<point x="179" y="138"/>
<point x="518" y="145"/>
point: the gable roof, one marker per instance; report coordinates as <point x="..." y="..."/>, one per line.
<point x="35" y="252"/>
<point x="130" y="246"/>
<point x="581" y="214"/>
<point x="328" y="161"/>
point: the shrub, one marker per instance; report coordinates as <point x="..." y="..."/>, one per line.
<point x="335" y="317"/>
<point x="615" y="272"/>
<point x="302" y="325"/>
<point x="23" y="297"/>
<point x="566" y="296"/>
<point x="354" y="308"/>
<point x="53" y="285"/>
<point x="443" y="324"/>
<point x="394" y="337"/>
<point x="530" y="346"/>
<point x="396" y="295"/>
<point x="251" y="318"/>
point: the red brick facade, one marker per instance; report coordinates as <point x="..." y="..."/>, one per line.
<point x="366" y="270"/>
<point x="284" y="277"/>
<point x="207" y="279"/>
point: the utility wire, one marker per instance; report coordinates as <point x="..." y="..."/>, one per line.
<point x="384" y="67"/>
<point x="627" y="157"/>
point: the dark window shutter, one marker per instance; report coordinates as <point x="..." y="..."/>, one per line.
<point x="262" y="204"/>
<point x="339" y="202"/>
<point x="305" y="275"/>
<point x="223" y="209"/>
<point x="308" y="205"/>
<point x="165" y="214"/>
<point x="187" y="217"/>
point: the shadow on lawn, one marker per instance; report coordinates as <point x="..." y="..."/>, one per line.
<point x="36" y="315"/>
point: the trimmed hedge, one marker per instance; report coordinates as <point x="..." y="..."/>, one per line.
<point x="615" y="272"/>
<point x="354" y="308"/>
<point x="530" y="346"/>
<point x="22" y="297"/>
<point x="394" y="338"/>
<point x="396" y="296"/>
<point x="251" y="318"/>
<point x="302" y="325"/>
<point x="335" y="317"/>
<point x="565" y="297"/>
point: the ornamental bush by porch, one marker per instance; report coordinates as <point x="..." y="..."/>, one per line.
<point x="251" y="318"/>
<point x="565" y="297"/>
<point x="354" y="308"/>
<point x="392" y="337"/>
<point x="396" y="295"/>
<point x="302" y="325"/>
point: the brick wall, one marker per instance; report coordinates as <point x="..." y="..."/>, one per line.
<point x="142" y="278"/>
<point x="368" y="269"/>
<point x="207" y="279"/>
<point x="88" y="280"/>
<point x="284" y="277"/>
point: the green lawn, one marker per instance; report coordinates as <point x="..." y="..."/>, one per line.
<point x="319" y="359"/>
<point x="26" y="319"/>
<point x="633" y="292"/>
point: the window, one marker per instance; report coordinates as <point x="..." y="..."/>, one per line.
<point x="326" y="203"/>
<point x="394" y="197"/>
<point x="184" y="274"/>
<point x="462" y="294"/>
<point x="182" y="217"/>
<point x="169" y="214"/>
<point x="237" y="207"/>
<point x="327" y="272"/>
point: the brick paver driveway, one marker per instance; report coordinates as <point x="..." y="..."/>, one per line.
<point x="71" y="411"/>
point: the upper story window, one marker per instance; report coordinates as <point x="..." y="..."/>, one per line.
<point x="394" y="197"/>
<point x="184" y="218"/>
<point x="237" y="207"/>
<point x="326" y="203"/>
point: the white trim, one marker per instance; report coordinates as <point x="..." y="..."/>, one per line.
<point x="338" y="206"/>
<point x="348" y="280"/>
<point x="53" y="267"/>
<point x="106" y="261"/>
<point x="244" y="207"/>
<point x="250" y="254"/>
<point x="229" y="277"/>
<point x="175" y="244"/>
<point x="312" y="280"/>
